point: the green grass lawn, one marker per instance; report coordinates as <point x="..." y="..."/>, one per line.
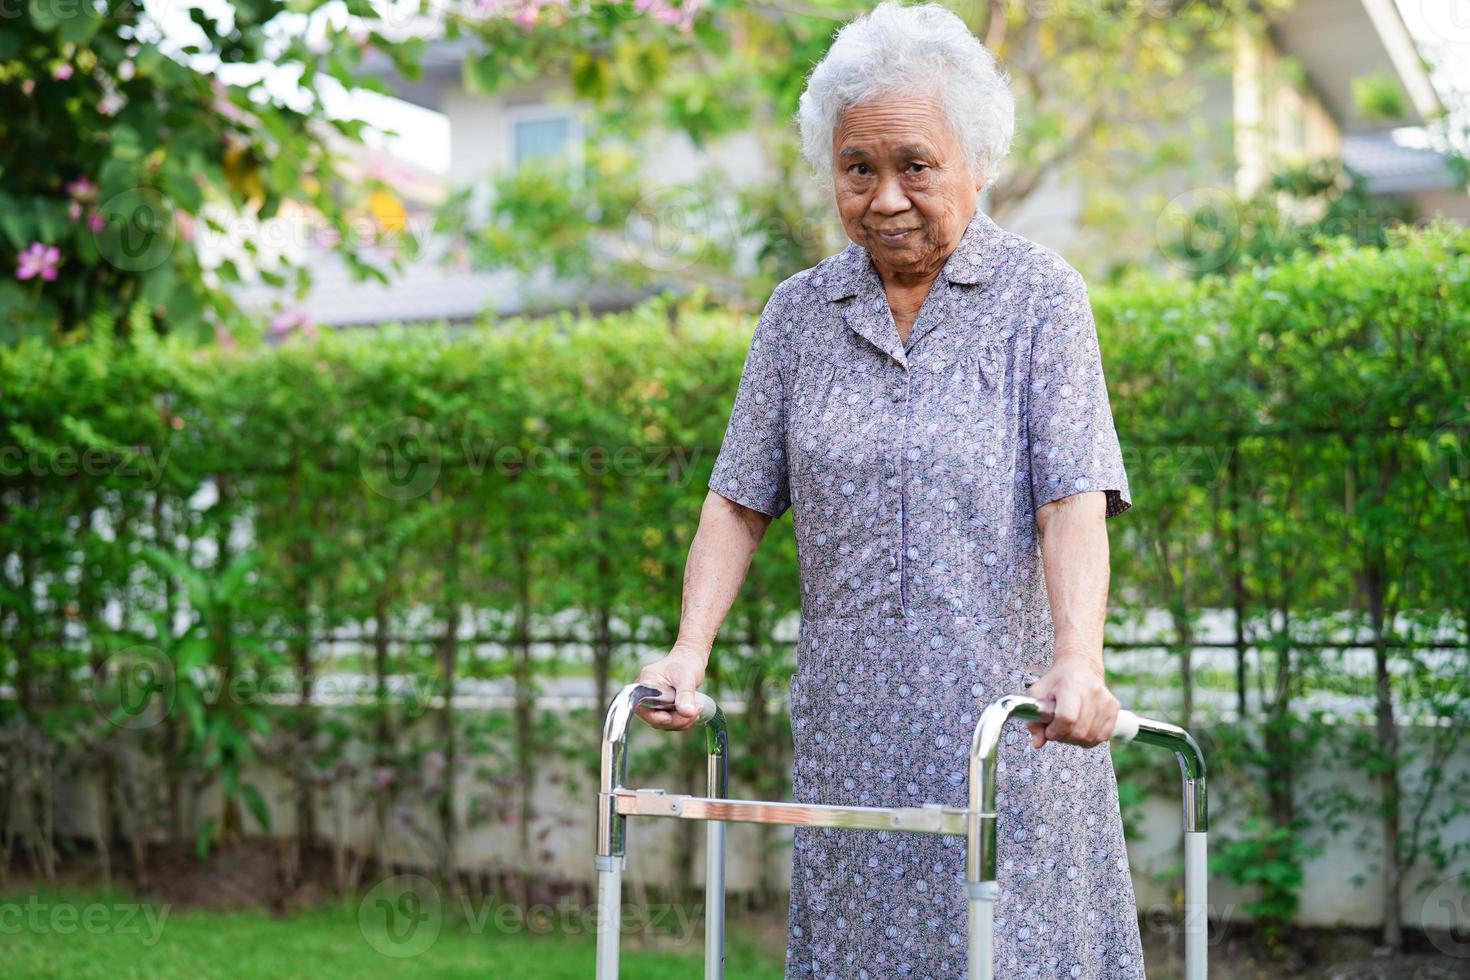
<point x="114" y="936"/>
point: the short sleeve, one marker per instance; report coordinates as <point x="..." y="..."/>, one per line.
<point x="751" y="466"/>
<point x="1073" y="442"/>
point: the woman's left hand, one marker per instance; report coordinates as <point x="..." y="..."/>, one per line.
<point x="1084" y="711"/>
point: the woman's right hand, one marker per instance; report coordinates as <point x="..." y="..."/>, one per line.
<point x="682" y="671"/>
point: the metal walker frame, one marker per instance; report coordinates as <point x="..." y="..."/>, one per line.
<point x="977" y="822"/>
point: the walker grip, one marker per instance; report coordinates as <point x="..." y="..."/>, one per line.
<point x="662" y="699"/>
<point x="1125" y="729"/>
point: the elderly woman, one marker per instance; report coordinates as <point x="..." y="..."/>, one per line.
<point x="929" y="404"/>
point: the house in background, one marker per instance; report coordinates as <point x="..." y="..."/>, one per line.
<point x="436" y="284"/>
<point x="488" y="136"/>
<point x="1273" y="101"/>
<point x="1294" y="101"/>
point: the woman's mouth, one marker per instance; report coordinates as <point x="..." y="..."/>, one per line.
<point x="896" y="237"/>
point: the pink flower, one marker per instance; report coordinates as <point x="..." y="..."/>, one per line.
<point x="81" y="189"/>
<point x="224" y="338"/>
<point x="285" y="321"/>
<point x="28" y="86"/>
<point x="666" y="13"/>
<point x="61" y="72"/>
<point x="38" y="259"/>
<point x="95" y="221"/>
<point x="74" y="209"/>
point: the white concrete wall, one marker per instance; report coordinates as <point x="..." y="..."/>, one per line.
<point x="565" y="798"/>
<point x="1332" y="894"/>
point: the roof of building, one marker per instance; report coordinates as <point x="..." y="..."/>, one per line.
<point x="426" y="289"/>
<point x="1391" y="167"/>
<point x="1338" y="42"/>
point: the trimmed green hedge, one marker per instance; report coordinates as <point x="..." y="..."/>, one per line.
<point x="1295" y="438"/>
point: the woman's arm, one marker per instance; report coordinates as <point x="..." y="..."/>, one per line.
<point x="719" y="557"/>
<point x="1074" y="554"/>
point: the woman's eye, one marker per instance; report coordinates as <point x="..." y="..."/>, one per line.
<point x="860" y="169"/>
<point x="917" y="168"/>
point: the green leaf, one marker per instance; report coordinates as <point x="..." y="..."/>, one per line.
<point x="18" y="227"/>
<point x="159" y="285"/>
<point x="255" y="803"/>
<point x="482" y="74"/>
<point x="194" y="709"/>
<point x="44" y="14"/>
<point x="81" y="23"/>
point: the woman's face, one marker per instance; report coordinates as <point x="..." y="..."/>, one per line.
<point x="903" y="187"/>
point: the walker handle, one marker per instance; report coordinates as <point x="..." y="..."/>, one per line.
<point x="1125" y="729"/>
<point x="661" y="698"/>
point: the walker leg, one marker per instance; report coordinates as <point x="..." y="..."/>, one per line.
<point x="717" y="775"/>
<point x="982" y="929"/>
<point x="1196" y="908"/>
<point x="609" y="915"/>
<point x="714" y="901"/>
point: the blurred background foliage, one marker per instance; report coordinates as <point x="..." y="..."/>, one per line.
<point x="180" y="517"/>
<point x="1292" y="438"/>
<point x="122" y="150"/>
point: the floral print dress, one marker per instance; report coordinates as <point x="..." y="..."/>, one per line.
<point x="913" y="472"/>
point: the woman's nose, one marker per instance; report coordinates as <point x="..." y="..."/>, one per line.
<point x="890" y="198"/>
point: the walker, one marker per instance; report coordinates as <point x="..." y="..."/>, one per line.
<point x="977" y="822"/>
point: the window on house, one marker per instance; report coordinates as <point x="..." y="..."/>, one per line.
<point x="541" y="136"/>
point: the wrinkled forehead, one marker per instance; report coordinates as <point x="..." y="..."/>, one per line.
<point x="895" y="125"/>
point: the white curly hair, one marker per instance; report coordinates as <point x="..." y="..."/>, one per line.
<point x="923" y="50"/>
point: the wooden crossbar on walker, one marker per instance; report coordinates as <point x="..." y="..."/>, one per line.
<point x="977" y="822"/>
